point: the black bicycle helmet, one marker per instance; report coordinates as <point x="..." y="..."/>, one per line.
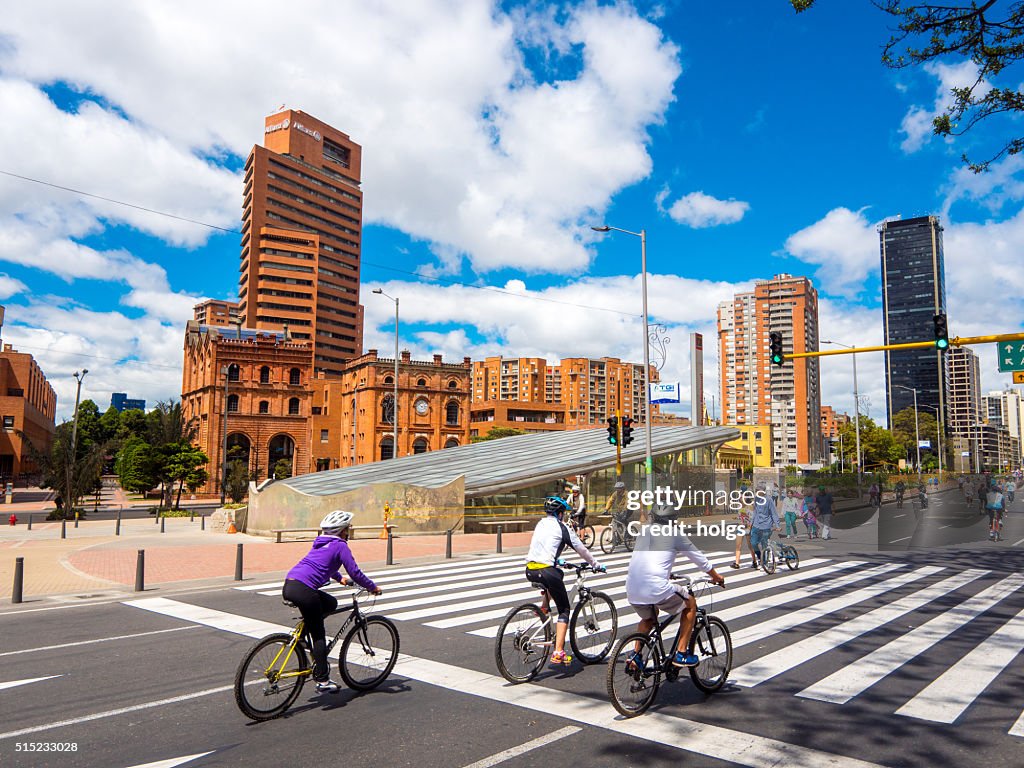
<point x="556" y="505"/>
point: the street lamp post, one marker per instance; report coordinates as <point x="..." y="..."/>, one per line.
<point x="226" y="371"/>
<point x="69" y="466"/>
<point x="649" y="459"/>
<point x="856" y="408"/>
<point x="938" y="435"/>
<point x="394" y="408"/>
<point x="917" y="431"/>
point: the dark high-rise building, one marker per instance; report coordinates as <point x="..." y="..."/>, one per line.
<point x="301" y="235"/>
<point x="913" y="291"/>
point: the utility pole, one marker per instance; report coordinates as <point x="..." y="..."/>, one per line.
<point x="69" y="466"/>
<point x="224" y="441"/>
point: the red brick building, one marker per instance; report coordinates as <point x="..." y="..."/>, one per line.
<point x="28" y="406"/>
<point x="266" y="402"/>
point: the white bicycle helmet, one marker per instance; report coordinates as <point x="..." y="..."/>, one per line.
<point x="336" y="522"/>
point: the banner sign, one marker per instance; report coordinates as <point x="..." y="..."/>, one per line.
<point x="665" y="393"/>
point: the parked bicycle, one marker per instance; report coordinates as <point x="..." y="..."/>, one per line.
<point x="617" y="533"/>
<point x="526" y="635"/>
<point x="271" y="675"/>
<point x="775" y="552"/>
<point x="639" y="661"/>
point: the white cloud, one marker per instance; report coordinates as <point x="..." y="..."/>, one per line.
<point x="992" y="190"/>
<point x="464" y="147"/>
<point x="917" y="122"/>
<point x="698" y="210"/>
<point x="844" y="246"/>
<point x="9" y="286"/>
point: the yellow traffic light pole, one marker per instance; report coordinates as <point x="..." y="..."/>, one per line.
<point x="955" y="342"/>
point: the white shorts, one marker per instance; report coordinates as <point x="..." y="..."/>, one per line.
<point x="672" y="605"/>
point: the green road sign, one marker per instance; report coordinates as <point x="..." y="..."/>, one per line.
<point x="1011" y="356"/>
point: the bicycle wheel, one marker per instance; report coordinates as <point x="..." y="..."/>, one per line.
<point x="768" y="559"/>
<point x="791" y="557"/>
<point x="592" y="627"/>
<point x="522" y="644"/>
<point x="712" y="642"/>
<point x="368" y="653"/>
<point x="632" y="685"/>
<point x="608" y="540"/>
<point x="587" y="536"/>
<point x="270" y="677"/>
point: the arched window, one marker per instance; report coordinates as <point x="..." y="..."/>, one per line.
<point x="233" y="372"/>
<point x="294" y="376"/>
<point x="387" y="449"/>
<point x="293" y="406"/>
<point x="232" y="403"/>
<point x="421" y="383"/>
<point x="238" y="448"/>
<point x="264" y="406"/>
<point x="451" y="442"/>
<point x="387" y="409"/>
<point x="265" y="374"/>
<point x="453" y="384"/>
<point x="389" y="379"/>
<point x="451" y="413"/>
<point x="419" y="445"/>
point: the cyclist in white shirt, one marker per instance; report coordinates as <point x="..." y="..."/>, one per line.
<point x="649" y="588"/>
<point x="550" y="537"/>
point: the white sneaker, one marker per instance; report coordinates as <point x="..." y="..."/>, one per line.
<point x="327" y="686"/>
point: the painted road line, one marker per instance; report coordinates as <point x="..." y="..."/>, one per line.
<point x="26" y="681"/>
<point x="1017" y="544"/>
<point x="199" y="615"/>
<point x="894" y="541"/>
<point x="113" y="712"/>
<point x="98" y="640"/>
<point x="857" y="677"/>
<point x="902" y="515"/>
<point x="788" y="621"/>
<point x="700" y="738"/>
<point x="522" y="749"/>
<point x="774" y="664"/>
<point x="1017" y="729"/>
<point x="523" y="591"/>
<point x="627" y="617"/>
<point x="946" y="698"/>
<point x="174" y="761"/>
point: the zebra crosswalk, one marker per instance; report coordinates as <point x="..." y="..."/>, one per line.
<point x="791" y="625"/>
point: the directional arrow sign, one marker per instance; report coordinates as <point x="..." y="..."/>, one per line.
<point x="1011" y="356"/>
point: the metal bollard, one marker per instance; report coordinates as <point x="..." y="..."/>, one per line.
<point x="202" y="522"/>
<point x="162" y="519"/>
<point x="140" y="571"/>
<point x="19" y="579"/>
<point x="191" y="515"/>
<point x="63" y="528"/>
<point x="117" y="525"/>
<point x="391" y="550"/>
<point x="30" y="521"/>
<point x="448" y="545"/>
<point x="499" y="540"/>
<point x="238" y="563"/>
<point x="76" y="519"/>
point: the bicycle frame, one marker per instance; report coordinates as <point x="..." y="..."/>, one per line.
<point x="299" y="632"/>
<point x="581" y="591"/>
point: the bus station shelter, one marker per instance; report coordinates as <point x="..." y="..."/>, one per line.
<point x="503" y="479"/>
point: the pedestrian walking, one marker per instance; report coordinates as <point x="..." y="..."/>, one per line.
<point x="743" y="518"/>
<point x="790" y="510"/>
<point x="824" y="503"/>
<point x="763" y="521"/>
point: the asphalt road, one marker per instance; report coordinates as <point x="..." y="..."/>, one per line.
<point x="862" y="656"/>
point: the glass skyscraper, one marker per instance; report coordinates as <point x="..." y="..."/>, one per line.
<point x="913" y="292"/>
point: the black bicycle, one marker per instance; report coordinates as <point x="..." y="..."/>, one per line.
<point x="526" y="636"/>
<point x="271" y="675"/>
<point x="639" y="661"/>
<point x="617" y="533"/>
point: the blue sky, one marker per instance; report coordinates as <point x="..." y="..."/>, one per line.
<point x="747" y="140"/>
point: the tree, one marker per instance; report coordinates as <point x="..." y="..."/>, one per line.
<point x="282" y="469"/>
<point x="877" y="444"/>
<point x="132" y="423"/>
<point x="238" y="481"/>
<point x="496" y="433"/>
<point x="185" y="465"/>
<point x="109" y="424"/>
<point x="86" y="465"/>
<point x="89" y="430"/>
<point x="992" y="38"/>
<point x="136" y="466"/>
<point x="905" y="434"/>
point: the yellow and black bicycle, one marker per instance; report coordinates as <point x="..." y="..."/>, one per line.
<point x="272" y="673"/>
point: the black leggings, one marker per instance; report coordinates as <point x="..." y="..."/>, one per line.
<point x="314" y="605"/>
<point x="550" y="579"/>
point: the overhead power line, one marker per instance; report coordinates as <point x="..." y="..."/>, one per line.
<point x="367" y="263"/>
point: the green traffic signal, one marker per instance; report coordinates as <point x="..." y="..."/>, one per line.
<point x="941" y="329"/>
<point x="613" y="430"/>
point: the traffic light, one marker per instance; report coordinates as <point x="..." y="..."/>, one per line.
<point x="775" y="348"/>
<point x="613" y="430"/>
<point x="941" y="332"/>
<point x="627" y="431"/>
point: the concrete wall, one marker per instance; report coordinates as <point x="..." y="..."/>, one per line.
<point x="413" y="509"/>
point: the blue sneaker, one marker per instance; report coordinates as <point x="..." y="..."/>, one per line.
<point x="635" y="662"/>
<point x="685" y="660"/>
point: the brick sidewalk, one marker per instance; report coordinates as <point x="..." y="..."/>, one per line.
<point x="92" y="559"/>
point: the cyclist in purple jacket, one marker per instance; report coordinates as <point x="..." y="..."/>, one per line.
<point x="303" y="583"/>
